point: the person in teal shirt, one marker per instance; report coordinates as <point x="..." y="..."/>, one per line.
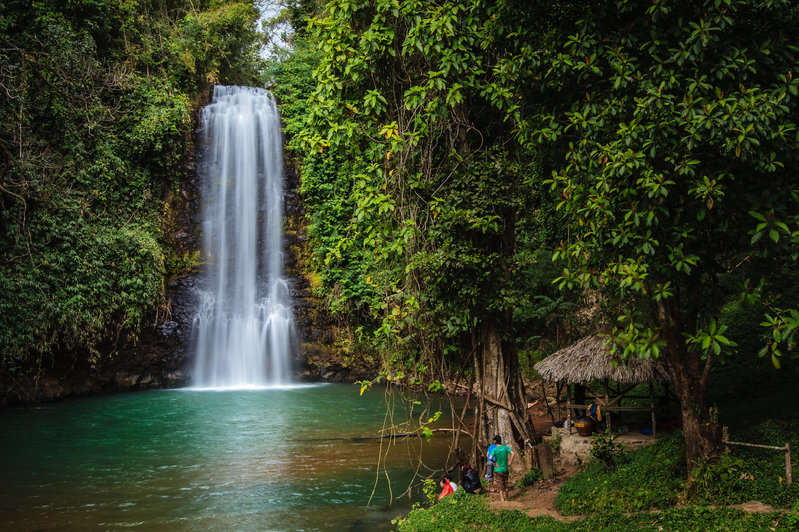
<point x="503" y="456"/>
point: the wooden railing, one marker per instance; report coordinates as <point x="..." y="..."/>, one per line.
<point x="786" y="449"/>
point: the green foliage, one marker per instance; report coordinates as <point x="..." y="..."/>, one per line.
<point x="658" y="153"/>
<point x="422" y="232"/>
<point x="760" y="472"/>
<point x="646" y="479"/>
<point x="780" y="338"/>
<point x="429" y="487"/>
<point x="469" y="512"/>
<point x="95" y="127"/>
<point x="714" y="481"/>
<point x="461" y="511"/>
<point x="555" y="442"/>
<point x="529" y="478"/>
<point x="95" y="277"/>
<point x="156" y="128"/>
<point x="216" y="43"/>
<point x="691" y="518"/>
<point x="446" y="148"/>
<point x="792" y="519"/>
<point x="654" y="477"/>
<point x="671" y="134"/>
<point x="605" y="449"/>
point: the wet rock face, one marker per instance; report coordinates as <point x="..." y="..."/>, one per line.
<point x="162" y="356"/>
<point x="319" y="358"/>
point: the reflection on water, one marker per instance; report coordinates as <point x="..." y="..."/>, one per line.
<point x="285" y="459"/>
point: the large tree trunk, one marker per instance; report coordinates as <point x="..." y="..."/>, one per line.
<point x="502" y="405"/>
<point x="702" y="435"/>
<point x="501" y="402"/>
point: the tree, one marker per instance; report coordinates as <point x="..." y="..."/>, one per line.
<point x="436" y="196"/>
<point x="675" y="122"/>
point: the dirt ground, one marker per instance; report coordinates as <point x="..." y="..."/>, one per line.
<point x="538" y="499"/>
<point x="542" y="421"/>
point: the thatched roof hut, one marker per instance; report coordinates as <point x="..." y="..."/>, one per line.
<point x="590" y="359"/>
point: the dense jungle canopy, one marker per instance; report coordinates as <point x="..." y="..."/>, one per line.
<point x="484" y="182"/>
<point x="96" y="110"/>
<point x="458" y="157"/>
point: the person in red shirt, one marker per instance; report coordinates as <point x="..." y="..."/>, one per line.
<point x="447" y="486"/>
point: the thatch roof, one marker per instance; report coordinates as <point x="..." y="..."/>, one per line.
<point x="590" y="359"/>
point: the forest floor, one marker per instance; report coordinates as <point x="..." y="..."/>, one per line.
<point x="538" y="499"/>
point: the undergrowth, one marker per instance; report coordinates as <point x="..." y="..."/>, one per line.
<point x="461" y="512"/>
<point x="645" y="479"/>
<point x="654" y="477"/>
<point x="530" y="478"/>
<point x="754" y="474"/>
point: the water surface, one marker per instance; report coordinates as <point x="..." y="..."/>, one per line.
<point x="271" y="459"/>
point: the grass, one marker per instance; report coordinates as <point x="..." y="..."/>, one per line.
<point x="462" y="512"/>
<point x="654" y="477"/>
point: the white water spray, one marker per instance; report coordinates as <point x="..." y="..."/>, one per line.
<point x="244" y="327"/>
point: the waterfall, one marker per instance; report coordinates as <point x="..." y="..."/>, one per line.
<point x="244" y="329"/>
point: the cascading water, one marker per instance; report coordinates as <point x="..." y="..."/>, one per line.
<point x="244" y="328"/>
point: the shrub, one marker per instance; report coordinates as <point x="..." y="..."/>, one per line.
<point x="792" y="519"/>
<point x="713" y="482"/>
<point x="555" y="442"/>
<point x="605" y="449"/>
<point x="750" y="474"/>
<point x="530" y="478"/>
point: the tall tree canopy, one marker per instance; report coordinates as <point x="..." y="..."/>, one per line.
<point x="676" y="124"/>
<point x="665" y="132"/>
<point x="426" y="215"/>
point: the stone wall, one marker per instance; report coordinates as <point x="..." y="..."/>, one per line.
<point x="576" y="449"/>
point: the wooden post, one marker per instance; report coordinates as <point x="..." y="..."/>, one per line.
<point x="652" y="407"/>
<point x="788" y="468"/>
<point x="545" y="460"/>
<point x="568" y="407"/>
<point x="558" y="390"/>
